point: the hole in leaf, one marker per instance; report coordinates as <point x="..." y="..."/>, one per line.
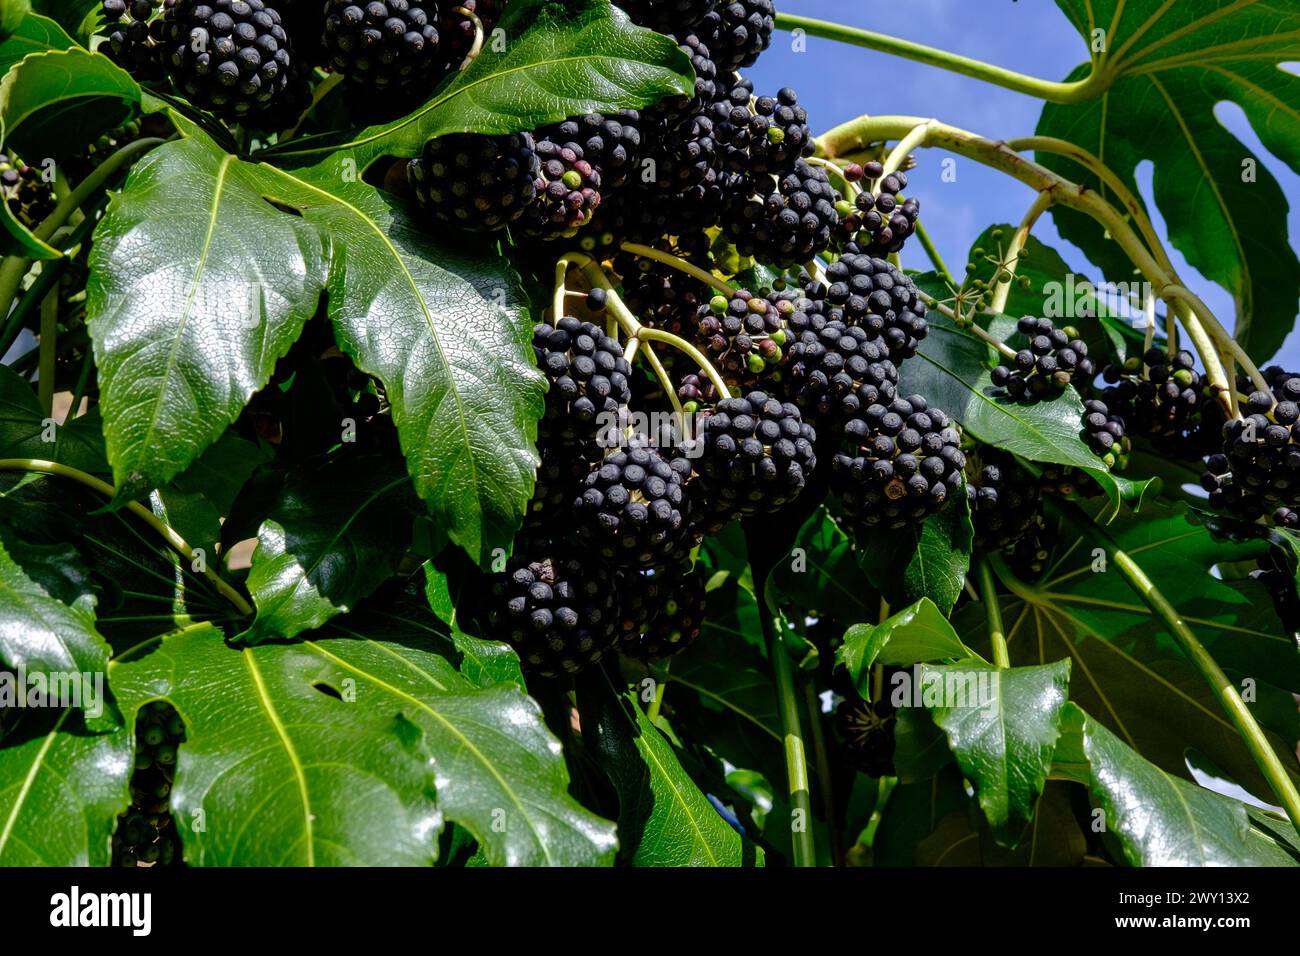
<point x="327" y="690"/>
<point x="283" y="207"/>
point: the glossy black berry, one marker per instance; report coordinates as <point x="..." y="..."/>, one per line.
<point x="1046" y="365"/>
<point x="588" y="379"/>
<point x="836" y="371"/>
<point x="632" y="508"/>
<point x="230" y="56"/>
<point x="870" y="292"/>
<point x="782" y="221"/>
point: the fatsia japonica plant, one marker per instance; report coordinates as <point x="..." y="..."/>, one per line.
<point x="499" y="432"/>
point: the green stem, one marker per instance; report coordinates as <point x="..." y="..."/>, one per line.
<point x="681" y="265"/>
<point x="796" y="762"/>
<point x="848" y="138"/>
<point x="15" y="267"/>
<point x="661" y="686"/>
<point x="822" y="760"/>
<point x="49" y="346"/>
<point x="993" y="614"/>
<point x="83" y="379"/>
<point x="1011" y="257"/>
<point x="932" y="251"/>
<point x="1077" y="91"/>
<point x="166" y="531"/>
<point x="679" y="343"/>
<point x="1235" y="708"/>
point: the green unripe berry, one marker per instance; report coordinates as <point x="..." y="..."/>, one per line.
<point x="755" y="363"/>
<point x="167" y="754"/>
<point x="572" y="178"/>
<point x="153" y="735"/>
<point x="718" y="304"/>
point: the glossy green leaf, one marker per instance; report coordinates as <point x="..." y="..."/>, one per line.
<point x="1004" y="736"/>
<point x="52" y="103"/>
<point x="197" y="286"/>
<point x="336" y="534"/>
<point x="917" y="633"/>
<point x="1128" y="672"/>
<point x="664" y="819"/>
<point x="42" y="635"/>
<point x="1161" y="820"/>
<point x="927" y="561"/>
<point x="350" y="748"/>
<point x="560" y="60"/>
<point x="80" y="18"/>
<point x="11" y="14"/>
<point x="220" y="472"/>
<point x="26" y="432"/>
<point x="485" y="662"/>
<point x="912" y="813"/>
<point x="821" y="574"/>
<point x="1169" y="68"/>
<point x="444" y="328"/>
<point x="61" y="789"/>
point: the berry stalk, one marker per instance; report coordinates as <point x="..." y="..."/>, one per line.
<point x="681" y="265"/>
<point x="796" y="762"/>
<point x="166" y="531"/>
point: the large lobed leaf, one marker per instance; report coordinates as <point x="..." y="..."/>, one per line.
<point x="1128" y="672"/>
<point x="445" y="329"/>
<point x="1168" y="66"/>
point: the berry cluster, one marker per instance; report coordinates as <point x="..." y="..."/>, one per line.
<point x="866" y="729"/>
<point x="1258" y="471"/>
<point x="29" y="198"/>
<point x="229" y="56"/>
<point x="555" y="608"/>
<point x="1043" y="369"/>
<point x="134" y="36"/>
<point x="382" y="44"/>
<point x="879" y="221"/>
<point x="663" y="611"/>
<point x="899" y="463"/>
<point x="1004" y="500"/>
<point x="1159" y="397"/>
<point x="146" y="835"/>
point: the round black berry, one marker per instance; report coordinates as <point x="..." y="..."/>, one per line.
<point x="632" y="508"/>
<point x="836" y="371"/>
<point x="663" y="612"/>
<point x="588" y="379"/>
<point x="872" y="293"/>
<point x="1004" y="499"/>
<point x="1050" y="361"/>
<point x="783" y="221"/>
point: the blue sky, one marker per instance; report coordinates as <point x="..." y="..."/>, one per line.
<point x="838" y="82"/>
